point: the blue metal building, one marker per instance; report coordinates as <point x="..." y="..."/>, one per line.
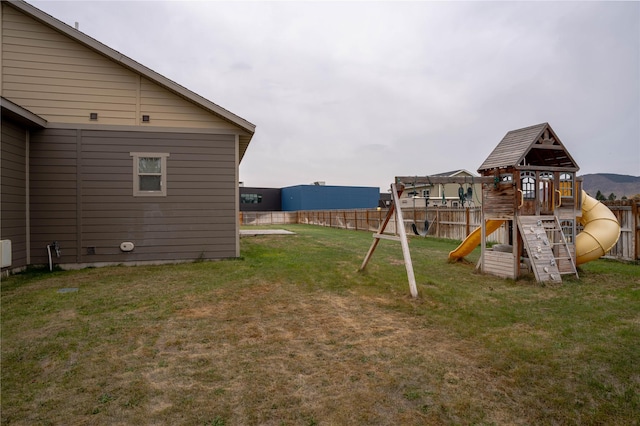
<point x="322" y="197"/>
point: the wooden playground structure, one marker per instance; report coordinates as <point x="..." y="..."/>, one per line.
<point x="529" y="185"/>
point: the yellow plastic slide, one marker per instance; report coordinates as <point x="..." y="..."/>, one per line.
<point x="600" y="233"/>
<point x="473" y="239"/>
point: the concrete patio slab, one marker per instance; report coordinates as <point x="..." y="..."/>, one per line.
<point x="254" y="232"/>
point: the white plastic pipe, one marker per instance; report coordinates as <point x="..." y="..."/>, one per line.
<point x="50" y="261"/>
<point x="600" y="233"/>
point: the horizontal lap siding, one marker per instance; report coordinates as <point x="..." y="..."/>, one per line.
<point x="64" y="81"/>
<point x="499" y="263"/>
<point x="13" y="214"/>
<point x="197" y="217"/>
<point x="59" y="79"/>
<point x="166" y="109"/>
<point x="53" y="194"/>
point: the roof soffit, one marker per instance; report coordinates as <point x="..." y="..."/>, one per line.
<point x="547" y="150"/>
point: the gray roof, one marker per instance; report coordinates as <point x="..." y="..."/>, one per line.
<point x="453" y="173"/>
<point x="534" y="145"/>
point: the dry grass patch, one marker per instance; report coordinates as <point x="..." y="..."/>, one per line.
<point x="274" y="354"/>
<point x="270" y="353"/>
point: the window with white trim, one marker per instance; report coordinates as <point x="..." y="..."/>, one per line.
<point x="528" y="185"/>
<point x="566" y="185"/>
<point x="506" y="178"/>
<point x="149" y="174"/>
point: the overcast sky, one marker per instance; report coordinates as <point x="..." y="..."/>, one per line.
<point x="356" y="93"/>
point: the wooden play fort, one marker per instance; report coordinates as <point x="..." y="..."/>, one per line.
<point x="529" y="186"/>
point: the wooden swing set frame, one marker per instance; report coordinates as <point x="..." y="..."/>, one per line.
<point x="397" y="189"/>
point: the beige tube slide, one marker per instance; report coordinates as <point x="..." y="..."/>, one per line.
<point x="600" y="233"/>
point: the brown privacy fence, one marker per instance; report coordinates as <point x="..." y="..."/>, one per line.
<point x="628" y="214"/>
<point x="445" y="222"/>
<point x="449" y="223"/>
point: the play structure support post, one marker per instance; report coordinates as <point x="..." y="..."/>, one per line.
<point x="483" y="239"/>
<point x="404" y="243"/>
<point x="402" y="234"/>
<point x="467" y="219"/>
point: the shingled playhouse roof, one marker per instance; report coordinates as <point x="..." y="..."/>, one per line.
<point x="530" y="147"/>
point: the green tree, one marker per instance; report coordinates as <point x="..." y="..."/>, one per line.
<point x="612" y="197"/>
<point x="599" y="196"/>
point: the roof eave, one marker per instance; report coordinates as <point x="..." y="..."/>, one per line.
<point x="20" y="114"/>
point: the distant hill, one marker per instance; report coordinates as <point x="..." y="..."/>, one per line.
<point x="607" y="183"/>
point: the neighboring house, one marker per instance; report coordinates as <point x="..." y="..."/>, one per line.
<point x="385" y="200"/>
<point x="417" y="195"/>
<point x="98" y="150"/>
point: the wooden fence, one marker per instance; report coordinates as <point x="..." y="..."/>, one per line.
<point x="268" y="218"/>
<point x="449" y="223"/>
<point x="628" y="214"/>
<point x="445" y="222"/>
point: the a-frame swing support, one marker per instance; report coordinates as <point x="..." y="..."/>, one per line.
<point x="396" y="190"/>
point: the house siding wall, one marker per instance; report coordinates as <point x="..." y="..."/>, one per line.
<point x="80" y="189"/>
<point x="197" y="218"/>
<point x="13" y="217"/>
<point x="53" y="193"/>
<point x="63" y="81"/>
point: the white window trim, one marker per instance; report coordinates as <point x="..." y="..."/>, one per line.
<point x="567" y="192"/>
<point x="163" y="177"/>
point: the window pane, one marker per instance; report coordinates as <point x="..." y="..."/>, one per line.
<point x="566" y="185"/>
<point x="149" y="165"/>
<point x="150" y="183"/>
<point x="250" y="198"/>
<point x="528" y="185"/>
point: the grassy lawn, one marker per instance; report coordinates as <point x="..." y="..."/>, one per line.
<point x="292" y="334"/>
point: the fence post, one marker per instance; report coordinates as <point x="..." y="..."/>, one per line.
<point x="466" y="222"/>
<point x="635" y="240"/>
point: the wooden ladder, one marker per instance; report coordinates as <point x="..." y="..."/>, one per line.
<point x="547" y="247"/>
